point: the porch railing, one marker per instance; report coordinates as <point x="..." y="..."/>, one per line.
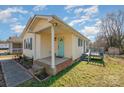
<point x="17" y="50"/>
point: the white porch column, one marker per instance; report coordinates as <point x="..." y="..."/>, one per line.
<point x="52" y="47"/>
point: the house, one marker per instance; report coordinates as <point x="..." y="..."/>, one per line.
<point x="15" y="44"/>
<point x="52" y="43"/>
<point x="4" y="45"/>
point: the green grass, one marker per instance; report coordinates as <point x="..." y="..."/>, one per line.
<point x="82" y="74"/>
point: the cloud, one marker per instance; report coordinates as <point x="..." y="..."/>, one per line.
<point x="82" y="15"/>
<point x="80" y="20"/>
<point x="70" y="7"/>
<point x="90" y="32"/>
<point x="6" y="16"/>
<point x="17" y="28"/>
<point x="76" y="21"/>
<point x="39" y="8"/>
<point x="65" y="18"/>
<point x="13" y="20"/>
<point x="91" y="10"/>
<point x="87" y="11"/>
<point x="98" y="22"/>
<point x="7" y="13"/>
<point x="78" y="11"/>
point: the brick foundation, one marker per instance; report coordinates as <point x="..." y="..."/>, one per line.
<point x="58" y="67"/>
<point x="63" y="65"/>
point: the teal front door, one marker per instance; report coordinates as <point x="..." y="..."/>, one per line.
<point x="60" y="47"/>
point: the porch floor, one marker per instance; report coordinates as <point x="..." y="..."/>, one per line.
<point x="58" y="60"/>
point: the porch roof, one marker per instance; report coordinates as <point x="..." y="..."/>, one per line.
<point x="51" y="19"/>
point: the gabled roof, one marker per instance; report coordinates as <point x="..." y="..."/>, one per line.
<point x="52" y="17"/>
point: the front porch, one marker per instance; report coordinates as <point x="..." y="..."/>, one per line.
<point x="47" y="60"/>
<point x="53" y="48"/>
<point x="60" y="64"/>
<point x="51" y="45"/>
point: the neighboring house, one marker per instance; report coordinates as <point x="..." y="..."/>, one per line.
<point x="15" y="44"/>
<point x="4" y="45"/>
<point x="52" y="42"/>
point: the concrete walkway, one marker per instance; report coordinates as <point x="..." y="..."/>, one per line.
<point x="14" y="73"/>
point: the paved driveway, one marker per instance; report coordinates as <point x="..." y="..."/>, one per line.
<point x="14" y="73"/>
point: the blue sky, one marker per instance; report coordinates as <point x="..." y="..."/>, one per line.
<point x="84" y="19"/>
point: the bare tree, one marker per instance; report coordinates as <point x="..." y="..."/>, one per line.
<point x="112" y="29"/>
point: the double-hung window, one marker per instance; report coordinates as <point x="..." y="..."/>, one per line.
<point x="28" y="43"/>
<point x="80" y="42"/>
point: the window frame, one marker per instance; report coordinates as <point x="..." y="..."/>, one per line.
<point x="80" y="42"/>
<point x="28" y="43"/>
<point x="24" y="43"/>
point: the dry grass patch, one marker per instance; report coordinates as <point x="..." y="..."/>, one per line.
<point x="82" y="74"/>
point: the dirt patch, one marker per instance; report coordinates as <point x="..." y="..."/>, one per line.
<point x="2" y="81"/>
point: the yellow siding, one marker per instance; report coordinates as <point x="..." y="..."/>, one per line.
<point x="45" y="45"/>
<point x="38" y="45"/>
<point x="76" y="51"/>
<point x="68" y="45"/>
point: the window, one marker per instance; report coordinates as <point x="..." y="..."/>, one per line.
<point x="28" y="43"/>
<point x="31" y="43"/>
<point x="80" y="42"/>
<point x="84" y="46"/>
<point x="24" y="44"/>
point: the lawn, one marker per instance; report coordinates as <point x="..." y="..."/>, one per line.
<point x="81" y="74"/>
